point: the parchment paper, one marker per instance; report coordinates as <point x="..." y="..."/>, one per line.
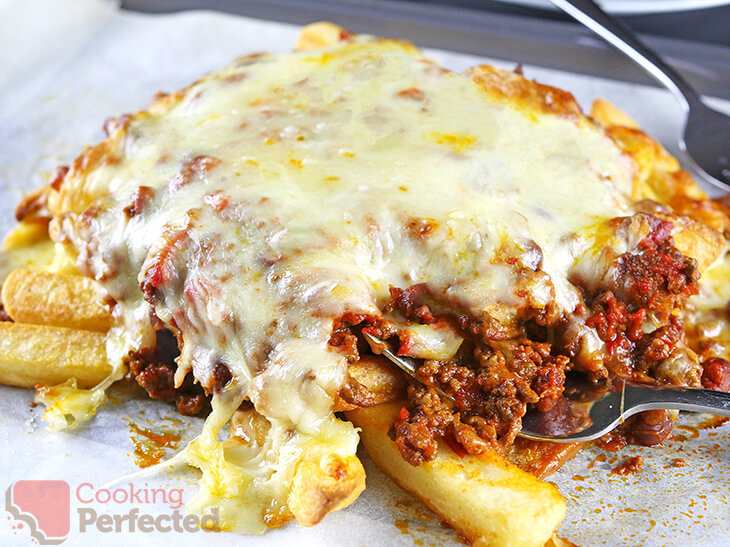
<point x="68" y="65"/>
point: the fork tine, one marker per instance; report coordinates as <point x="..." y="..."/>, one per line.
<point x="605" y="414"/>
<point x="590" y="434"/>
<point x="403" y="363"/>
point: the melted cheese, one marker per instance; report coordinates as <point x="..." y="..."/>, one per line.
<point x="714" y="291"/>
<point x="325" y="164"/>
<point x="705" y="317"/>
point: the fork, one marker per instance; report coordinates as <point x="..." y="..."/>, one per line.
<point x="606" y="413"/>
<point x="706" y="137"/>
<point x="592" y="420"/>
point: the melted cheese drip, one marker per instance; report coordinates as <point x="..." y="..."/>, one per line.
<point x="325" y="159"/>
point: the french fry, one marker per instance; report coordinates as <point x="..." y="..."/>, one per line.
<point x="608" y="114"/>
<point x="43" y="298"/>
<point x="373" y="381"/>
<point x="26" y="234"/>
<point x="324" y="482"/>
<point x="39" y="354"/>
<point x="382" y="379"/>
<point x="318" y="35"/>
<point x="26" y="246"/>
<point x="33" y="206"/>
<point x="486" y="499"/>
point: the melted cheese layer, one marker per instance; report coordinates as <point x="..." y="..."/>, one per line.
<point x="288" y="190"/>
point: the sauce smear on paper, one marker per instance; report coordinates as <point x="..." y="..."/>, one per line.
<point x="149" y="447"/>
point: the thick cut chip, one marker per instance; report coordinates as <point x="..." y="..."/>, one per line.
<point x="38" y="354"/>
<point x="43" y="298"/>
<point x="487" y="500"/>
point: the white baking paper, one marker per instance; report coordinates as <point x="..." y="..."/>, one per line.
<point x="65" y="66"/>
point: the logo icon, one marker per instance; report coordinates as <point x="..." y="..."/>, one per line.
<point x="44" y="505"/>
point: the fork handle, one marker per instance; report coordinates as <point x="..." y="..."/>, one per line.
<point x="639" y="398"/>
<point x="622" y="37"/>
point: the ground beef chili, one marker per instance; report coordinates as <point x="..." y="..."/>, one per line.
<point x="154" y="370"/>
<point x="716" y="374"/>
<point x="492" y="380"/>
<point x="497" y="377"/>
<point x="654" y="280"/>
<point x="632" y="353"/>
<point x="490" y="391"/>
<point x="343" y="338"/>
<point x="657" y="277"/>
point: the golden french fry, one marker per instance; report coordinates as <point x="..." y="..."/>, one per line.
<point x="373" y="381"/>
<point x="341" y="405"/>
<point x="382" y="379"/>
<point x="318" y="35"/>
<point x="698" y="241"/>
<point x="27" y="245"/>
<point x="26" y="234"/>
<point x="383" y="383"/>
<point x="43" y="298"/>
<point x="486" y="499"/>
<point x="38" y="354"/>
<point x="33" y="206"/>
<point x="607" y="114"/>
<point x="324" y="483"/>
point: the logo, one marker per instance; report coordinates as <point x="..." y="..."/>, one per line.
<point x="53" y="510"/>
<point x="45" y="506"/>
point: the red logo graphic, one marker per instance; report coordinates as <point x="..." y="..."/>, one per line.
<point x="44" y="506"/>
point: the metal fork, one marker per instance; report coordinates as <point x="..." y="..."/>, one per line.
<point x="607" y="412"/>
<point x="706" y="138"/>
<point x="406" y="364"/>
<point x="595" y="419"/>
